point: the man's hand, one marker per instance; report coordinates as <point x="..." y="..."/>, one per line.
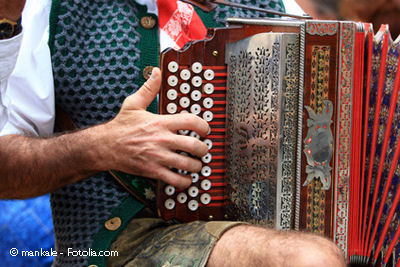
<point x="143" y="143"/>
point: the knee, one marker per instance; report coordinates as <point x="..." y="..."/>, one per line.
<point x="318" y="251"/>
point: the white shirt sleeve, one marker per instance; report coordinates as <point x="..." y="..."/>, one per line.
<point x="30" y="90"/>
<point x="8" y="56"/>
<point x="292" y="7"/>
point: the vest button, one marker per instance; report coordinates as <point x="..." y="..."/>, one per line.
<point x="147" y="22"/>
<point x="113" y="224"/>
<point x="147" y="72"/>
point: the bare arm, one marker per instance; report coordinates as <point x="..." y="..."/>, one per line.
<point x="136" y="142"/>
<point x="11" y="9"/>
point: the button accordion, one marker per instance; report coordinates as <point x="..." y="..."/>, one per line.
<point x="305" y="128"/>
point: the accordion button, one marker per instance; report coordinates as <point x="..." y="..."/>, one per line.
<point x="184" y="111"/>
<point x="205" y="198"/>
<point x="172" y="94"/>
<point x="209" y="75"/>
<point x="172" y="80"/>
<point x="197" y="67"/>
<point x="193" y="205"/>
<point x="208" y="116"/>
<point x="184" y="102"/>
<point x="197" y="81"/>
<point x="183" y="132"/>
<point x="195" y="177"/>
<point x="208" y="102"/>
<point x="182" y="172"/>
<point x="195" y="109"/>
<point x="169" y="190"/>
<point x="173" y="66"/>
<point x="184" y="88"/>
<point x="206" y="158"/>
<point x="206" y="171"/>
<point x="193" y="191"/>
<point x="195" y="95"/>
<point x="169" y="204"/>
<point x="205" y="185"/>
<point x="208" y="88"/>
<point x="171" y="108"/>
<point x="195" y="135"/>
<point x="185" y="74"/>
<point x="208" y="143"/>
<point x="181" y="197"/>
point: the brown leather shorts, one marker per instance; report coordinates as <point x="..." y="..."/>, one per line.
<point x="154" y="242"/>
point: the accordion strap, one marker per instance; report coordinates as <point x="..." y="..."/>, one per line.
<point x="139" y="187"/>
<point x="210" y="5"/>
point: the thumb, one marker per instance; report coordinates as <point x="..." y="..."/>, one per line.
<point x="143" y="97"/>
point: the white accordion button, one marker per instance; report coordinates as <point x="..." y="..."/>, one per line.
<point x="193" y="191"/>
<point x="208" y="143"/>
<point x="169" y="190"/>
<point x="208" y="102"/>
<point x="195" y="135"/>
<point x="184" y="102"/>
<point x="169" y="204"/>
<point x="172" y="108"/>
<point x="184" y="111"/>
<point x="197" y="67"/>
<point x="205" y="198"/>
<point x="184" y="88"/>
<point x="206" y="171"/>
<point x="172" y="80"/>
<point x="185" y="74"/>
<point x="183" y="132"/>
<point x="208" y="116"/>
<point x="205" y="185"/>
<point x="195" y="95"/>
<point x="195" y="177"/>
<point x="197" y="81"/>
<point x="208" y="88"/>
<point x="193" y="205"/>
<point x="209" y="75"/>
<point x="181" y="197"/>
<point x="183" y="172"/>
<point x="172" y="94"/>
<point x="206" y="158"/>
<point x="195" y="109"/>
<point x="173" y="66"/>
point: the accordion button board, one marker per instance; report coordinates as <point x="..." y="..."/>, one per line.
<point x="199" y="88"/>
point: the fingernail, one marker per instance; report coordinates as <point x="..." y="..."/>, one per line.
<point x="153" y="75"/>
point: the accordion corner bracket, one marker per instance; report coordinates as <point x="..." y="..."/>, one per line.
<point x="318" y="145"/>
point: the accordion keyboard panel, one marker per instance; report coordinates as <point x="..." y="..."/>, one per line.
<point x="195" y="86"/>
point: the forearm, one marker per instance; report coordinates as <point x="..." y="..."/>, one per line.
<point x="32" y="166"/>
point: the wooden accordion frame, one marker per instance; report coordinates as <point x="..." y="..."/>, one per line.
<point x="305" y="122"/>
